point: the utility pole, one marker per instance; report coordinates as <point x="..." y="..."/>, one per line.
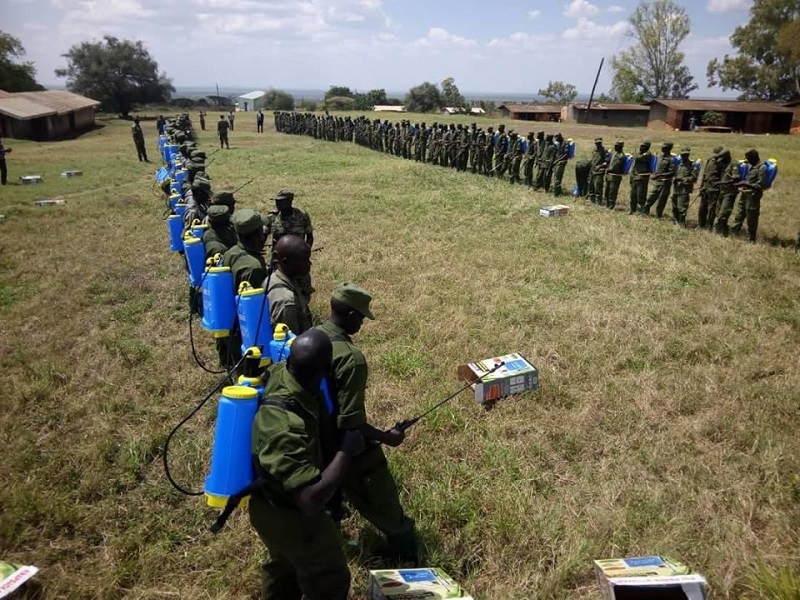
<point x="591" y="96"/>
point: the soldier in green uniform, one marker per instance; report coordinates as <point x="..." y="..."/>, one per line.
<point x="538" y="181"/>
<point x="221" y="234"/>
<point x="662" y="181"/>
<point x="751" y="190"/>
<point x="640" y="177"/>
<point x="288" y="219"/>
<point x="500" y="151"/>
<point x="546" y="161"/>
<point x="488" y="154"/>
<point x="728" y="190"/>
<point x="197" y="201"/>
<point x="368" y="485"/>
<point x="302" y="467"/>
<point x="514" y="156"/>
<point x="138" y="140"/>
<point x="683" y="184"/>
<point x="709" y="191"/>
<point x="529" y="160"/>
<point x="287" y="304"/>
<point x="597" y="173"/>
<point x="560" y="164"/>
<point x="222" y="132"/>
<point x="245" y="258"/>
<point x="614" y="174"/>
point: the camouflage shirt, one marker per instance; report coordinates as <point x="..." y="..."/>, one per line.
<point x="297" y="223"/>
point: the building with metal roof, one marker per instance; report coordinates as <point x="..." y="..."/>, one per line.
<point x="739" y="116"/>
<point x="254" y="100"/>
<point x="615" y="114"/>
<point x="532" y="112"/>
<point x="45" y="115"/>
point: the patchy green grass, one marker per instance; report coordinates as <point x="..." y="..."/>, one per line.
<point x="666" y="421"/>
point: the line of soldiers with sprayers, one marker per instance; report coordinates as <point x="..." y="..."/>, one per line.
<point x="539" y="161"/>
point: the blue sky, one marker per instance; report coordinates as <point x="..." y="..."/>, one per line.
<point x="513" y="46"/>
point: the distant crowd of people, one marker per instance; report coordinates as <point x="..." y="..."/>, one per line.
<point x="540" y="160"/>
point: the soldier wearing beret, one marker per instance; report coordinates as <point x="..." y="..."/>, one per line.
<point x="368" y="484"/>
<point x="289" y="219"/>
<point x="302" y="466"/>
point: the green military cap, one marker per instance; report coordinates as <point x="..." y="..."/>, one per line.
<point x="619" y="143"/>
<point x="201" y="183"/>
<point x="223" y="198"/>
<point x="195" y="165"/>
<point x="355" y="297"/>
<point x="284" y="195"/>
<point x="598" y="140"/>
<point x="218" y="213"/>
<point x="717" y="150"/>
<point x="198" y="155"/>
<point x="686" y="150"/>
<point x="247" y="221"/>
<point x="667" y="145"/>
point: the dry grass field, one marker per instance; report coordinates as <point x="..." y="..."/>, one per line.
<point x="667" y="419"/>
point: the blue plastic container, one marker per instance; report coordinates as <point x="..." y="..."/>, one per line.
<point x="231" y="461"/>
<point x="653" y="163"/>
<point x="195" y="252"/>
<point x="676" y="160"/>
<point x="180" y="176"/>
<point x="772" y="172"/>
<point x="171" y="150"/>
<point x="280" y="343"/>
<point x="175" y="226"/>
<point x="570" y="148"/>
<point x="627" y="164"/>
<point x="219" y="303"/>
<point x="198" y="228"/>
<point x="173" y="200"/>
<point x="744" y="169"/>
<point x="698" y="166"/>
<point x="254" y="324"/>
<point x="180" y="209"/>
<point x="523" y="146"/>
<point x="175" y="188"/>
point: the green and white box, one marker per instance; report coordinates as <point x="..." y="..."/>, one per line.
<point x="645" y="577"/>
<point x="430" y="583"/>
<point x="516" y="376"/>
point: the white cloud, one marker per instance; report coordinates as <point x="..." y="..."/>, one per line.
<point x="723" y="6"/>
<point x="519" y="42"/>
<point x="589" y="30"/>
<point x="440" y="37"/>
<point x="534" y="14"/>
<point x="580" y="8"/>
<point x="616" y="8"/>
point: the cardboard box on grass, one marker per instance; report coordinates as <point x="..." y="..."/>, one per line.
<point x="648" y="578"/>
<point x="516" y="376"/>
<point x="554" y="210"/>
<point x="430" y="583"/>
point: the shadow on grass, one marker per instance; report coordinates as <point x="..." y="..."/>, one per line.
<point x="780" y="242"/>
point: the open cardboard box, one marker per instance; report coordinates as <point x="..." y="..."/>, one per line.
<point x="516" y="376"/>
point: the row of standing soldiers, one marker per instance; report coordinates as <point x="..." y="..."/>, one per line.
<point x="538" y="161"/>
